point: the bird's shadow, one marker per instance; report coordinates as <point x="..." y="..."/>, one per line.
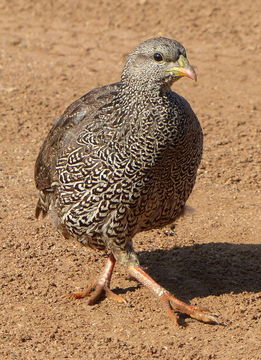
<point x="205" y="269"/>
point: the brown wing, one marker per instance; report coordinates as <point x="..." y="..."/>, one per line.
<point x="63" y="131"/>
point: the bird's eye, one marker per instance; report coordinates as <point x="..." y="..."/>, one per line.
<point x="158" y="57"/>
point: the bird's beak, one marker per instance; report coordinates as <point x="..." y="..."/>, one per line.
<point x="183" y="68"/>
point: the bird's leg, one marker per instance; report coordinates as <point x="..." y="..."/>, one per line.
<point x="100" y="286"/>
<point x="169" y="301"/>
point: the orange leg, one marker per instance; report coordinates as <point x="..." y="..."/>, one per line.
<point x="169" y="301"/>
<point x="101" y="286"/>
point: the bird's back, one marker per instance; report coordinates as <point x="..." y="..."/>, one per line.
<point x="64" y="131"/>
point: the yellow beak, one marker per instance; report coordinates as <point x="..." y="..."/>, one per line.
<point x="183" y="68"/>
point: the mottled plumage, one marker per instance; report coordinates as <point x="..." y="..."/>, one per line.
<point x="123" y="158"/>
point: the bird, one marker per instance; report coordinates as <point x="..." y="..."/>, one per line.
<point x="122" y="159"/>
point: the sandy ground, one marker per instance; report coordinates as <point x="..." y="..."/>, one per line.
<point x="52" y="52"/>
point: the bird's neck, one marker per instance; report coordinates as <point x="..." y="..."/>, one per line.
<point x="145" y="98"/>
<point x="138" y="90"/>
<point x="144" y="119"/>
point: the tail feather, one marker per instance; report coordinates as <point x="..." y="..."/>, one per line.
<point x="42" y="206"/>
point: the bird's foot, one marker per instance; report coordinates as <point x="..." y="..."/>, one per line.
<point x="100" y="288"/>
<point x="98" y="291"/>
<point x="170" y="303"/>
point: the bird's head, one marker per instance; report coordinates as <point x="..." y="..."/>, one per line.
<point x="158" y="61"/>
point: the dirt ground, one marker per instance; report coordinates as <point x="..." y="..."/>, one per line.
<point x="52" y="52"/>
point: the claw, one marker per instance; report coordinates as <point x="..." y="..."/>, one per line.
<point x="84" y="293"/>
<point x="194" y="311"/>
<point x="100" y="287"/>
<point x="98" y="292"/>
<point x="170" y="302"/>
<point x="112" y="295"/>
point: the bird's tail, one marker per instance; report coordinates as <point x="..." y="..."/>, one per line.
<point x="42" y="206"/>
<point x="186" y="210"/>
